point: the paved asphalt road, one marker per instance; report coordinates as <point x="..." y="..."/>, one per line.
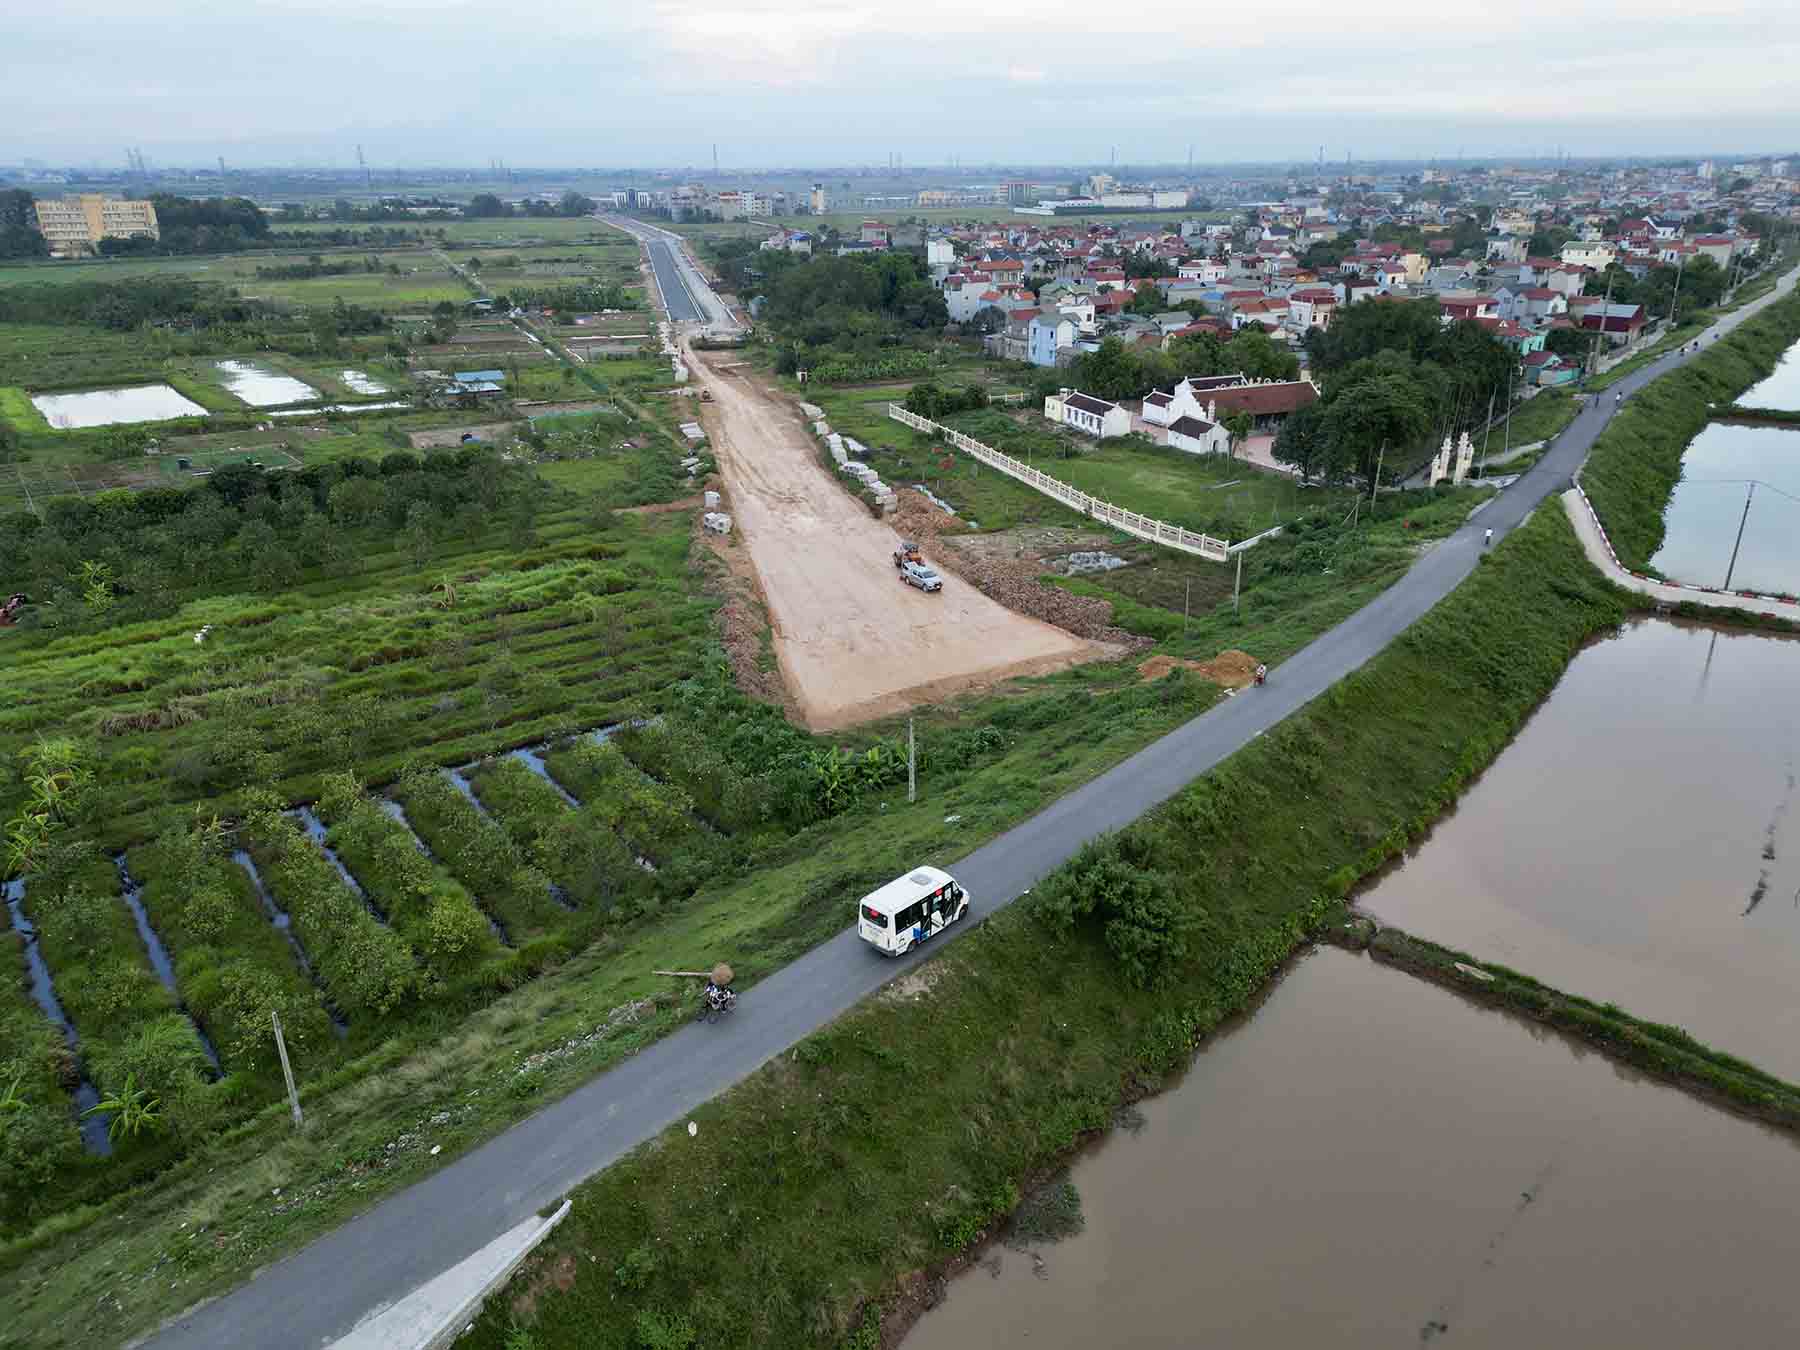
<point x="679" y="301"/>
<point x="320" y="1292"/>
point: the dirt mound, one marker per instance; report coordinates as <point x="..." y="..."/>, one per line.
<point x="1230" y="669"/>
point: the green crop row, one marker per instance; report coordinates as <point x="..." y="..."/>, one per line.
<point x="427" y="906"/>
<point x="365" y="966"/>
<point x="233" y="967"/>
<point x="484" y="856"/>
<point x="38" y="1140"/>
<point x="592" y="865"/>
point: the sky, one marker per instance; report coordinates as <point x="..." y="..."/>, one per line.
<point x="652" y="83"/>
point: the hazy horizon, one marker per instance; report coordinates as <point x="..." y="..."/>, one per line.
<point x="777" y="85"/>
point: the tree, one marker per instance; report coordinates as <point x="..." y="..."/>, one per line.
<point x="1569" y="343"/>
<point x="486" y="206"/>
<point x="574" y="204"/>
<point x="1386" y="410"/>
<point x="19" y="237"/>
<point x="1238" y="426"/>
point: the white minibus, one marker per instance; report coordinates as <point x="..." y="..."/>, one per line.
<point x="910" y="909"/>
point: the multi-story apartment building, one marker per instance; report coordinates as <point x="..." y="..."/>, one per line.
<point x="78" y="224"/>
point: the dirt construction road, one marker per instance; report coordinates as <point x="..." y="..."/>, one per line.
<point x="854" y="642"/>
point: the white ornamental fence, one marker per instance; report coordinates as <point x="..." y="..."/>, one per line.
<point x="1143" y="527"/>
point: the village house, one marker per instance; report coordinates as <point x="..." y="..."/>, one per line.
<point x="1048" y="336"/>
<point x="1312" y="307"/>
<point x="1092" y="416"/>
<point x="1198" y="436"/>
<point x="1269" y="403"/>
<point x="1621" y="324"/>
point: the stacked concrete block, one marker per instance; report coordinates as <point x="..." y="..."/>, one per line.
<point x="812" y="410"/>
<point x="872" y="481"/>
<point x="712" y="501"/>
<point x="717" y="521"/>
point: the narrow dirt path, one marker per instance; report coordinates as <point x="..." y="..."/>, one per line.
<point x="854" y="643"/>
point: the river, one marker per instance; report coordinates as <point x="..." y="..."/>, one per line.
<point x="1369" y="1161"/>
<point x="1639" y="842"/>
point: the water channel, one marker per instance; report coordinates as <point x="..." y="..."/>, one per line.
<point x="1640" y="841"/>
<point x="1707" y="508"/>
<point x="1369" y="1161"/>
<point x="94" y="1135"/>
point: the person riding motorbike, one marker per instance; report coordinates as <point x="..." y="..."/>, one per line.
<point x="1262" y="672"/>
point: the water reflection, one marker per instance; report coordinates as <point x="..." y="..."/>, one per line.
<point x="1707" y="509"/>
<point x="1370" y="1161"/>
<point x="1616" y="848"/>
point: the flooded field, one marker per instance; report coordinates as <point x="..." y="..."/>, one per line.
<point x="1369" y="1161"/>
<point x="1781" y="389"/>
<point x="261" y="387"/>
<point x="1639" y="842"/>
<point x="1703" y="516"/>
<point x="361" y="382"/>
<point x="111" y="407"/>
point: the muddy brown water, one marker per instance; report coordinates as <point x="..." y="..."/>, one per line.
<point x="1370" y="1161"/>
<point x="1639" y="842"/>
<point x="1706" y="517"/>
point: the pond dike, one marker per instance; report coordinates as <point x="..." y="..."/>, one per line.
<point x="1665" y="1053"/>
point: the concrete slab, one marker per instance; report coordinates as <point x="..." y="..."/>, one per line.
<point x="435" y="1314"/>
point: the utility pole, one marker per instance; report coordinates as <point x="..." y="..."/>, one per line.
<point x="1374" y="484"/>
<point x="912" y="772"/>
<point x="1605" y="309"/>
<point x="1237" y="586"/>
<point x="1675" y="295"/>
<point x="1487" y="432"/>
<point x="1506" y="441"/>
<point x="1742" y="521"/>
<point x="287" y="1071"/>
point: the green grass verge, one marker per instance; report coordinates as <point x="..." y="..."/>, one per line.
<point x="900" y="1134"/>
<point x="1636" y="462"/>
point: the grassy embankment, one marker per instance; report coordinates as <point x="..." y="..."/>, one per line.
<point x="1636" y="463"/>
<point x="891" y="1140"/>
<point x="1662" y="1051"/>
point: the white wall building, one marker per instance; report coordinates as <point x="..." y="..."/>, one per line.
<point x="1093" y="416"/>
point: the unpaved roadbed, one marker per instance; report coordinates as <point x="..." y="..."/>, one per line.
<point x="853" y="642"/>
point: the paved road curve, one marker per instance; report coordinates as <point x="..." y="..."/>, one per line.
<point x="320" y="1292"/>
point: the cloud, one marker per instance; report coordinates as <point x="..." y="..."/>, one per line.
<point x="786" y="81"/>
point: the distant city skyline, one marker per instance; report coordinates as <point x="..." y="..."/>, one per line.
<point x="775" y="83"/>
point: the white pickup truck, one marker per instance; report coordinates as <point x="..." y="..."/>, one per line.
<point x="918" y="574"/>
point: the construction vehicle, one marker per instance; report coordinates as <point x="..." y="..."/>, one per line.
<point x="908" y="552"/>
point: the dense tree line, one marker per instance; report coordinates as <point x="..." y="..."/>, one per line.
<point x="120" y="556"/>
<point x="165" y="301"/>
<point x="1702" y="283"/>
<point x="1392" y="374"/>
<point x="176" y="303"/>
<point x="486" y="206"/>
